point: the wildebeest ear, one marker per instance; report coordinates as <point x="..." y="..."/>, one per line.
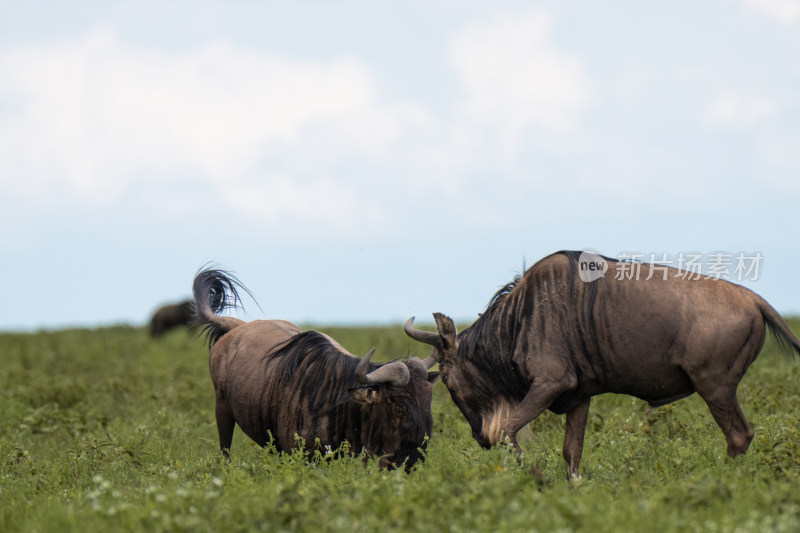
<point x="366" y="395"/>
<point x="447" y="331"/>
<point x="432" y="377"/>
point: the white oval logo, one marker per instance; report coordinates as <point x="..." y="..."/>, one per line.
<point x="591" y="267"/>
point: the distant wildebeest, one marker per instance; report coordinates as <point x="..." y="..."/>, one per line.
<point x="277" y="383"/>
<point x="171" y="316"/>
<point x="549" y="340"/>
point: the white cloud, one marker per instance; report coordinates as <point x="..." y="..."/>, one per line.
<point x="736" y="109"/>
<point x="92" y="115"/>
<point x="515" y="77"/>
<point x="785" y="11"/>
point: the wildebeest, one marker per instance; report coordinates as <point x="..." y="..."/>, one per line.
<point x="171" y="316"/>
<point x="277" y="382"/>
<point x="549" y="340"/>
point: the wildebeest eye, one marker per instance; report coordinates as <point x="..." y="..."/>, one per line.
<point x="367" y="394"/>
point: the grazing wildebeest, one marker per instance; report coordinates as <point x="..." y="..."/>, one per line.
<point x="549" y="340"/>
<point x="277" y="382"/>
<point x="171" y="316"/>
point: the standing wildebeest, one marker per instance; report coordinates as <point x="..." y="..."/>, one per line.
<point x="171" y="316"/>
<point x="548" y="340"/>
<point x="277" y="382"/>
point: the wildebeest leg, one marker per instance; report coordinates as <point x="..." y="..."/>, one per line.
<point x="225" y="425"/>
<point x="540" y="396"/>
<point x="716" y="375"/>
<point x="730" y="418"/>
<point x="573" y="437"/>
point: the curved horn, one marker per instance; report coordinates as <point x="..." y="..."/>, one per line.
<point x="427" y="337"/>
<point x="363" y="365"/>
<point x="395" y="373"/>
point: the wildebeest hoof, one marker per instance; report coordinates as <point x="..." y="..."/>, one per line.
<point x="575" y="480"/>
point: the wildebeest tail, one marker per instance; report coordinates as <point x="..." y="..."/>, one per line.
<point x="215" y="291"/>
<point x="787" y="342"/>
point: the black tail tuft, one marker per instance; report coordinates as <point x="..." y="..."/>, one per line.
<point x="214" y="292"/>
<point x="786" y="340"/>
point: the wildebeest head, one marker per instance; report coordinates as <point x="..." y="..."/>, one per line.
<point x="452" y="371"/>
<point x="398" y="397"/>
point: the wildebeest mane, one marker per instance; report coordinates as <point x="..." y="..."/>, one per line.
<point x="496" y="301"/>
<point x="491" y="329"/>
<point x="312" y="362"/>
<point x="500" y="296"/>
<point x="215" y="291"/>
<point x="490" y="342"/>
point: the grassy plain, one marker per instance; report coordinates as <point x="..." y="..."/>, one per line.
<point x="108" y="430"/>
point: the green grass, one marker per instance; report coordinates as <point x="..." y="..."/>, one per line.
<point x="107" y="430"/>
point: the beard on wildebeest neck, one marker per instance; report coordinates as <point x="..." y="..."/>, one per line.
<point x="551" y="340"/>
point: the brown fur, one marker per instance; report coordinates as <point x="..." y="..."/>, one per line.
<point x="278" y="383"/>
<point x="550" y="341"/>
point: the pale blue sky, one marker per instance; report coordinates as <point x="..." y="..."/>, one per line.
<point x="361" y="162"/>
